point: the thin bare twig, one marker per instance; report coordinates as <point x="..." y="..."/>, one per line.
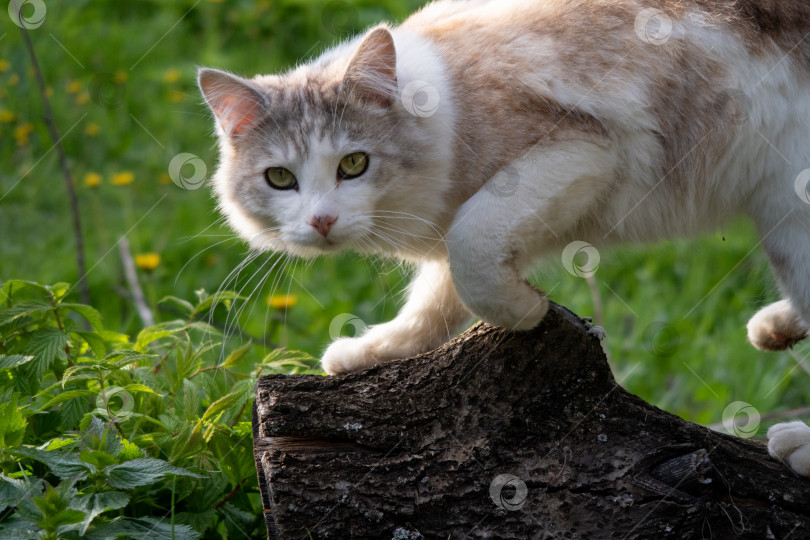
<point x="136" y="291"/>
<point x="71" y="186"/>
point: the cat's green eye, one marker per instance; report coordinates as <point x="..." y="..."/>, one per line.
<point x="280" y="178"/>
<point x="352" y="166"/>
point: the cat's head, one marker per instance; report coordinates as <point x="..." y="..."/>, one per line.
<point x="325" y="157"/>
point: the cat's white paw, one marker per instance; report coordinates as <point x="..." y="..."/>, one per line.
<point x="349" y="354"/>
<point x="776" y="327"/>
<point x="790" y="442"/>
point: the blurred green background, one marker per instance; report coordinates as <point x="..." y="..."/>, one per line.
<point x="121" y="80"/>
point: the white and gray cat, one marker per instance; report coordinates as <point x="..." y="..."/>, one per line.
<point x="479" y="136"/>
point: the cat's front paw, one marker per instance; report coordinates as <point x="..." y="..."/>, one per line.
<point x="776" y="327"/>
<point x="790" y="442"/>
<point x="349" y="354"/>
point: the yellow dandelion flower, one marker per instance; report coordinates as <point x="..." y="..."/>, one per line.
<point x="164" y="178"/>
<point x="92" y="179"/>
<point x="82" y="98"/>
<point x="120" y="76"/>
<point x="147" y="261"/>
<point x="171" y="75"/>
<point x="74" y="87"/>
<point x="4" y="65"/>
<point x="122" y="178"/>
<point x="92" y="129"/>
<point x="22" y="132"/>
<point x="14" y="80"/>
<point x="282" y="302"/>
<point x="6" y="116"/>
<point x="176" y="97"/>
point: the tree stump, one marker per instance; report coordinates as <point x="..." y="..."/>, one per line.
<point x="508" y="435"/>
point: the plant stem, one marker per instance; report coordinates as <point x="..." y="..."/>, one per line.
<point x="230" y="495"/>
<point x="61" y="328"/>
<point x="69" y="183"/>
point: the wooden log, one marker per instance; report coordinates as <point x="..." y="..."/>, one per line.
<point x="509" y="435"/>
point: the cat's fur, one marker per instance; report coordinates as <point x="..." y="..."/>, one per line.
<point x="540" y="123"/>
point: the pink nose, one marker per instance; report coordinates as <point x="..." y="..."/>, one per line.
<point x="322" y="224"/>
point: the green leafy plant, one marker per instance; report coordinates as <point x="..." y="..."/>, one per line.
<point x="103" y="435"/>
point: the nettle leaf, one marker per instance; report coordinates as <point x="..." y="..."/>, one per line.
<point x="207" y="303"/>
<point x="14" y="360"/>
<point x="12" y="424"/>
<point x="231" y="403"/>
<point x="90" y="314"/>
<point x="102" y="437"/>
<point x="233" y="359"/>
<point x="62" y="464"/>
<point x="142" y="472"/>
<point x="154" y="333"/>
<point x="192" y="399"/>
<point x="98" y="458"/>
<point x="95" y="503"/>
<point x="73" y="410"/>
<point x="142" y="529"/>
<point x="47" y="344"/>
<point x="58" y="290"/>
<point x="28" y="308"/>
<point x="8" y="288"/>
<point x="14" y="490"/>
<point x="67" y="396"/>
<point x="95" y="341"/>
<point x="185" y="306"/>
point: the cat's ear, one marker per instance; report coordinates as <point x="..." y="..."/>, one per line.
<point x="236" y="104"/>
<point x="372" y="72"/>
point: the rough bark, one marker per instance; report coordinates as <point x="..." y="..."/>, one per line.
<point x="415" y="449"/>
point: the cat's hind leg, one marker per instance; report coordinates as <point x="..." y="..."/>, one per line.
<point x="432" y="314"/>
<point x="518" y="216"/>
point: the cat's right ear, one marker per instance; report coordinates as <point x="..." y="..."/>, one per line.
<point x="236" y="104"/>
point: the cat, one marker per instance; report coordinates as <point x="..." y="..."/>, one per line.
<point x="479" y="136"/>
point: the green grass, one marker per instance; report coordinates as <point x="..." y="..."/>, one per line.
<point x="703" y="291"/>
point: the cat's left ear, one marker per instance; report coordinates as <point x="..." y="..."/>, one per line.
<point x="372" y="72"/>
<point x="236" y="104"/>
